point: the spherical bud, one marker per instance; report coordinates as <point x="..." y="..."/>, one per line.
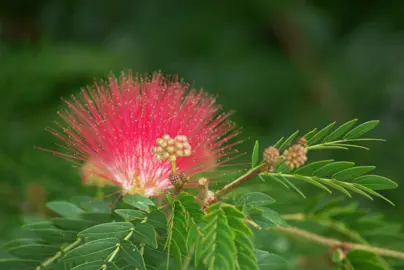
<point x="271" y="155"/>
<point x="186" y="145"/>
<point x="302" y="141"/>
<point x="181" y="138"/>
<point x="159" y="141"/>
<point x="179" y="153"/>
<point x="179" y="145"/>
<point x="295" y="156"/>
<point x="187" y="152"/>
<point x="170" y="149"/>
<point x="178" y="180"/>
<point x="166" y="137"/>
<point x="170" y="141"/>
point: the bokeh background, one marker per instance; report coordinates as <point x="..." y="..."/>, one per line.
<point x="282" y="65"/>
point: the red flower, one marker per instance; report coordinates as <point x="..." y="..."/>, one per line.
<point x="114" y="126"/>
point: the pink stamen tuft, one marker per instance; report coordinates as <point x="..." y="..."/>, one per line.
<point x="113" y="127"/>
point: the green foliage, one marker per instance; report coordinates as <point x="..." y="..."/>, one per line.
<point x="182" y="232"/>
<point x="343" y="176"/>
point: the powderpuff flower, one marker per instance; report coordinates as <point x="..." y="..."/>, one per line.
<point x="139" y="132"/>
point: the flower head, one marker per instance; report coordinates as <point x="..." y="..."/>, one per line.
<point x="138" y="131"/>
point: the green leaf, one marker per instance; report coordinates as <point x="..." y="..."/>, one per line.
<point x="361" y="130"/>
<point x="49" y="233"/>
<point x="278" y="143"/>
<point x="139" y="202"/>
<point x="319" y="135"/>
<point x="375" y="182"/>
<point x="311" y="181"/>
<point x="157" y="219"/>
<point x="97" y="217"/>
<point x="94" y="265"/>
<point x="255" y="154"/>
<point x="18" y="242"/>
<point x="177" y="232"/>
<point x="364" y="260"/>
<point x="91" y="251"/>
<point x="91" y="204"/>
<point x="310" y="134"/>
<point x="341" y="130"/>
<point x="132" y="256"/>
<point x="218" y="246"/>
<point x="255" y="199"/>
<point x="347" y="145"/>
<point x="33" y="251"/>
<point x="72" y="224"/>
<point x="18" y="264"/>
<point x="293" y="186"/>
<point x="351" y="173"/>
<point x="333" y="185"/>
<point x="371" y="191"/>
<point x="107" y="230"/>
<point x="288" y="141"/>
<point x="333" y="168"/>
<point x="352" y="188"/>
<point x="130" y="214"/>
<point x="191" y="206"/>
<point x="276" y="179"/>
<point x="65" y="209"/>
<point x="310" y="168"/>
<point x="266" y="218"/>
<point x="283" y="168"/>
<point x="144" y="233"/>
<point x="271" y="261"/>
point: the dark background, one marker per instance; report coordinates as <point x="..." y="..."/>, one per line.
<point x="282" y="65"/>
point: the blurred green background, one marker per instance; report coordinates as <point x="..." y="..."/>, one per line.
<point x="282" y="65"/>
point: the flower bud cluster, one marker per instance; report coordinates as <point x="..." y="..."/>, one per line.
<point x="296" y="155"/>
<point x="172" y="148"/>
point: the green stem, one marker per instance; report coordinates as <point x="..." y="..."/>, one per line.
<point x="129" y="235"/>
<point x="113" y="254"/>
<point x="59" y="254"/>
<point x="173" y="165"/>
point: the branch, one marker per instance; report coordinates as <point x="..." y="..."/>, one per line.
<point x="242" y="179"/>
<point x="331" y="242"/>
<point x="59" y="254"/>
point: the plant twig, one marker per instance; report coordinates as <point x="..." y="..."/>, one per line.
<point x="331" y="242"/>
<point x="242" y="179"/>
<point x="59" y="254"/>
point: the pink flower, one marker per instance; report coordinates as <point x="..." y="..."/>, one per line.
<point x="114" y="126"/>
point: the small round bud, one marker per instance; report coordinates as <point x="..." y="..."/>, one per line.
<point x="181" y="138"/>
<point x="170" y="141"/>
<point x="302" y="141"/>
<point x="170" y="149"/>
<point x="187" y="152"/>
<point x="159" y="141"/>
<point x="186" y="145"/>
<point x="179" y="145"/>
<point x="163" y="144"/>
<point x="271" y="155"/>
<point x="179" y="153"/>
<point x="295" y="156"/>
<point x="166" y="137"/>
